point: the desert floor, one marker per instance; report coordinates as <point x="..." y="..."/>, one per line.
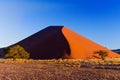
<point x="59" y="70"/>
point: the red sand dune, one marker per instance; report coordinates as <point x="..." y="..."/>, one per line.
<point x="61" y="42"/>
<point x="83" y="48"/>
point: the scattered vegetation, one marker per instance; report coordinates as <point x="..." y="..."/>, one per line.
<point x="23" y="68"/>
<point x="16" y="52"/>
<point x="102" y="54"/>
<point x="60" y="69"/>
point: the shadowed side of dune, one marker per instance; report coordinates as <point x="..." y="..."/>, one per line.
<point x="1" y="52"/>
<point x="49" y="43"/>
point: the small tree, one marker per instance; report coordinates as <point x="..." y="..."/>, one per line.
<point x="16" y="52"/>
<point x="102" y="54"/>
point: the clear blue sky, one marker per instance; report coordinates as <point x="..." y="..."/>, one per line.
<point x="98" y="20"/>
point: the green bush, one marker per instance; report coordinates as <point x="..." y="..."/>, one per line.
<point x="16" y="52"/>
<point x="102" y="54"/>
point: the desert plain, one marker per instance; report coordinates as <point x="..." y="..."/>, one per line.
<point x="60" y="69"/>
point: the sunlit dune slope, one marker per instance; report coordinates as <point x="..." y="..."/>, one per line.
<point x="83" y="48"/>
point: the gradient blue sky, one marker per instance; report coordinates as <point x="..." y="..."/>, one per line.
<point x="98" y="20"/>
